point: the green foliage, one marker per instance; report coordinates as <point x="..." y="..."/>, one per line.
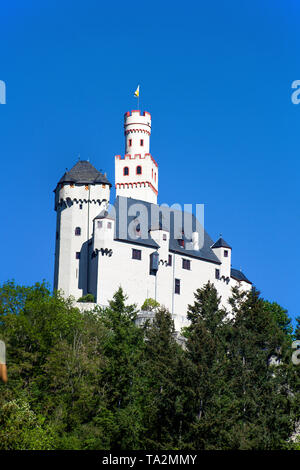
<point x="87" y="298"/>
<point x="94" y="380"/>
<point x="149" y="305"/>
<point x="280" y="316"/>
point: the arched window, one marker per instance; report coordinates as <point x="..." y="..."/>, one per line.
<point x="126" y="171"/>
<point x="139" y="170"/>
<point x="77" y="231"/>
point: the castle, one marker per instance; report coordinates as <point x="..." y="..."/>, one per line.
<point x="151" y="251"/>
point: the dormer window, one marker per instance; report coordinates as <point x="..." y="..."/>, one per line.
<point x="139" y="170"/>
<point x="126" y="171"/>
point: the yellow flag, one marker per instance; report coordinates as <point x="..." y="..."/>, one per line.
<point x="137" y="92"/>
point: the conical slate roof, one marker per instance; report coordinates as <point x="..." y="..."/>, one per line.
<point x="84" y="172"/>
<point x="221" y="244"/>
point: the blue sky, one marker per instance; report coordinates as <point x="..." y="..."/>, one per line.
<point x="216" y="77"/>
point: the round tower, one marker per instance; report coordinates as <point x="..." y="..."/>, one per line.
<point x="136" y="174"/>
<point x="137" y="130"/>
<point x="80" y="195"/>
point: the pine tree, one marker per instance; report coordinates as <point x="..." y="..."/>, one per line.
<point x="207" y="349"/>
<point x="168" y="380"/>
<point x="262" y="400"/>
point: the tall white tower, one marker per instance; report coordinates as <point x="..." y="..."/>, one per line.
<point x="80" y="195"/>
<point x="136" y="174"/>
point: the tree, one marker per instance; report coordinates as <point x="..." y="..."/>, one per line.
<point x="259" y="361"/>
<point x="122" y="347"/>
<point x="149" y="305"/>
<point x="280" y="316"/>
<point x="207" y="349"/>
<point x="166" y="403"/>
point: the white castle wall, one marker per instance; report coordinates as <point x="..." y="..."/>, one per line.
<point x="71" y="274"/>
<point x="134" y="277"/>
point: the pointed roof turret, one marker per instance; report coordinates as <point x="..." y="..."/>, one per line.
<point x="221" y="244"/>
<point x="84" y="172"/>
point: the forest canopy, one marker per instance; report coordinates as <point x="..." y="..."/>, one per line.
<point x="95" y="380"/>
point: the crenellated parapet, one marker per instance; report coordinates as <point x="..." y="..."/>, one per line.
<point x="67" y="194"/>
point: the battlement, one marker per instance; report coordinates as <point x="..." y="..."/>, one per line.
<point x="136" y="112"/>
<point x="137" y="121"/>
<point x="136" y="156"/>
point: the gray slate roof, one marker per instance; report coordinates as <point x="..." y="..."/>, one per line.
<point x="84" y="173"/>
<point x="204" y="253"/>
<point x="239" y="276"/>
<point x="162" y="222"/>
<point x="221" y="244"/>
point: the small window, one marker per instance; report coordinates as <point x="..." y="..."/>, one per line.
<point x="77" y="231"/>
<point x="77" y="254"/>
<point x="217" y="274"/>
<point x="86" y="186"/>
<point x="80" y="206"/>
<point x="139" y="170"/>
<point x="142" y="142"/>
<point x="177" y="286"/>
<point x="186" y="264"/>
<point x="136" y="254"/>
<point x="108" y="224"/>
<point x="126" y="171"/>
<point x="103" y="186"/>
<point x="71" y="185"/>
<point x="129" y="142"/>
<point x="170" y="260"/>
<point x="164" y="236"/>
<point x="99" y="223"/>
<point x="225" y="253"/>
